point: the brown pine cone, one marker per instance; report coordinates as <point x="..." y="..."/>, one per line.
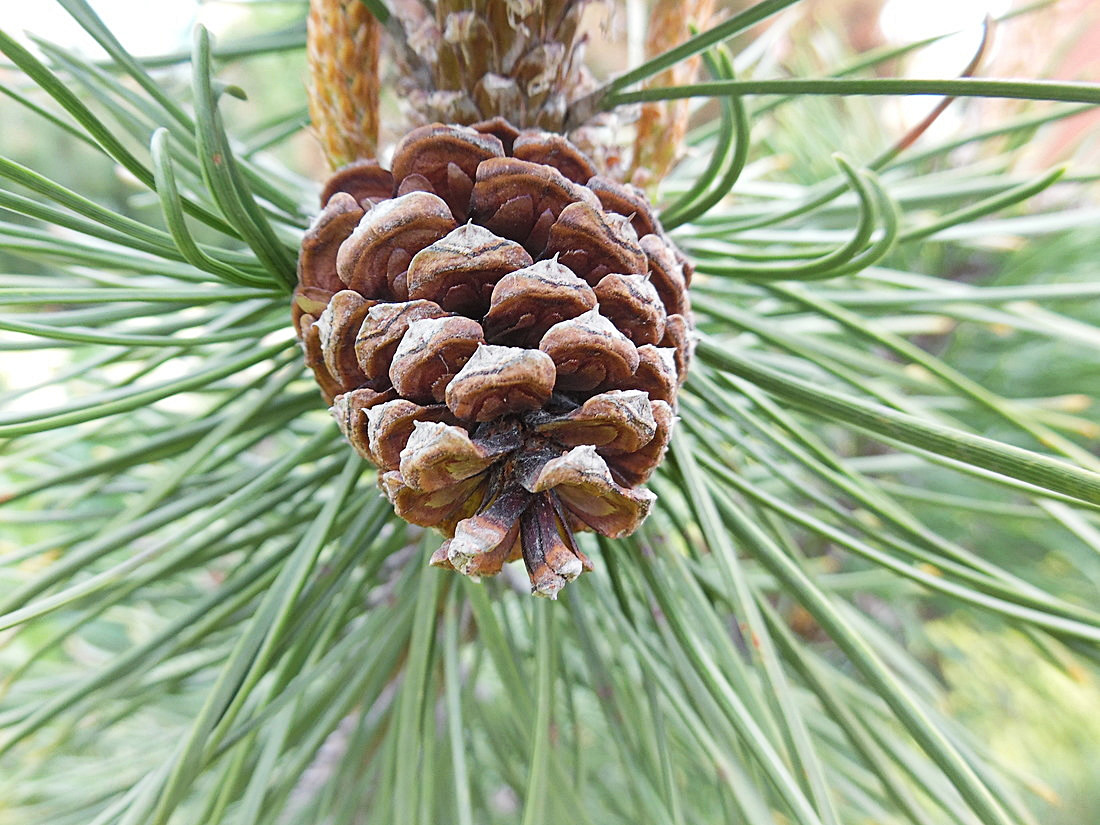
<point x="503" y="333"/>
<point x="466" y="61"/>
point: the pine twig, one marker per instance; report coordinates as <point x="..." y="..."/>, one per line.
<point x="342" y="44"/>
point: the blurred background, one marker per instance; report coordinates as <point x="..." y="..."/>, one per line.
<point x="1046" y="725"/>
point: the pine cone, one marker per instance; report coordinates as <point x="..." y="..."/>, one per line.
<point x="503" y="333"/>
<point x="462" y="62"/>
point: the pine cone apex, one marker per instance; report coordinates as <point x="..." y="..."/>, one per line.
<point x="503" y="333"/>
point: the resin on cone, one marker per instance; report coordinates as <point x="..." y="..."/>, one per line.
<point x="503" y="332"/>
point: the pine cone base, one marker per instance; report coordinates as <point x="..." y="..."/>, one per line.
<point x="502" y="332"/>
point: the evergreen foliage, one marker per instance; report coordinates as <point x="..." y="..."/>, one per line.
<point x="209" y="614"/>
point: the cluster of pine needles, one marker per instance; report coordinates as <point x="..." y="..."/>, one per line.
<point x="208" y="614"/>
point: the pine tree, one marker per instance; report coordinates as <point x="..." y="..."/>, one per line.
<point x="212" y="615"/>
